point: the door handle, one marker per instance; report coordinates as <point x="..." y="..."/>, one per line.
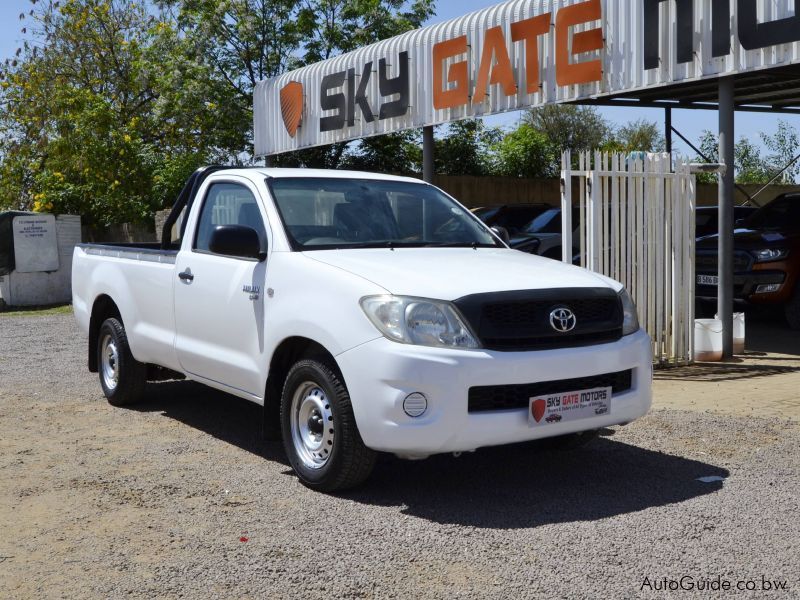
<point x="186" y="275"/>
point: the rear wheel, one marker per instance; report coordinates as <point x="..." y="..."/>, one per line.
<point x="792" y="308"/>
<point x="122" y="377"/>
<point x="320" y="434"/>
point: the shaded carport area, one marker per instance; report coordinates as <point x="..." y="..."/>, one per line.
<point x="773" y="90"/>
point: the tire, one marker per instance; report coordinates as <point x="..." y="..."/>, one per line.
<point x="122" y="377"/>
<point x="792" y="309"/>
<point x="319" y="430"/>
<point x="571" y="441"/>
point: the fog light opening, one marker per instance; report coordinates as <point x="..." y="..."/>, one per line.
<point x="415" y="404"/>
<point x="766" y="288"/>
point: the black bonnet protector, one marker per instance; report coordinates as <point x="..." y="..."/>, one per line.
<point x="524" y="320"/>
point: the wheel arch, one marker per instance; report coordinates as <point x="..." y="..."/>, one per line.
<point x="286" y="354"/>
<point x="103" y="308"/>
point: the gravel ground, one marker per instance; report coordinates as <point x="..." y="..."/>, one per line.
<point x="180" y="498"/>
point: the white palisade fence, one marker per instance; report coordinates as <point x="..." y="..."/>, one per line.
<point x="637" y="225"/>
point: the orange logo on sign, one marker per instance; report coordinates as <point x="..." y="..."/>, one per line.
<point x="292" y="106"/>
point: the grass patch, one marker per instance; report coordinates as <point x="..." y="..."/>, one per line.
<point x="38" y="311"/>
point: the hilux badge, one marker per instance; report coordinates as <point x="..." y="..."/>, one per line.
<point x="562" y="320"/>
<point x="253" y="290"/>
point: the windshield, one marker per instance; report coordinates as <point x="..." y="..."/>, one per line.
<point x="322" y="213"/>
<point x="782" y="213"/>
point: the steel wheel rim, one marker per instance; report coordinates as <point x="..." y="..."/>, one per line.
<point x="109" y="362"/>
<point x="312" y="425"/>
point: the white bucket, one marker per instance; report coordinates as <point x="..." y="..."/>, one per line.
<point x="707" y="340"/>
<point x="738" y="332"/>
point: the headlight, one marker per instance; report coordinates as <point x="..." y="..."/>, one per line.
<point x="630" y="321"/>
<point x="770" y="254"/>
<point x="418" y="321"/>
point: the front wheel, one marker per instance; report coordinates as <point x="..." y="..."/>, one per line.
<point x="122" y="377"/>
<point x="320" y="434"/>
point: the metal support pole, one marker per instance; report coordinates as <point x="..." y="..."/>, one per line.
<point x="268" y="162"/>
<point x="668" y="128"/>
<point x="726" y="186"/>
<point x="427" y="154"/>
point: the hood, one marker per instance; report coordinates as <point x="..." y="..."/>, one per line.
<point x="451" y="273"/>
<point x="752" y="239"/>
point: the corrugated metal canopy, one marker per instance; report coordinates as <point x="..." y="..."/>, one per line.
<point x="769" y="90"/>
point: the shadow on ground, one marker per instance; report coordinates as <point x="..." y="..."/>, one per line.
<point x="225" y="417"/>
<point x="722" y="371"/>
<point x="522" y="485"/>
<point x="767" y="331"/>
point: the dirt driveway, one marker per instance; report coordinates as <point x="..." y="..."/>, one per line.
<point x="180" y="497"/>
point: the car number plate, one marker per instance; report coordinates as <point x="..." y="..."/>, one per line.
<point x="707" y="280"/>
<point x="568" y="406"/>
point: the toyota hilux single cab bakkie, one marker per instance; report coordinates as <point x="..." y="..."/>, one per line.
<point x="366" y="313"/>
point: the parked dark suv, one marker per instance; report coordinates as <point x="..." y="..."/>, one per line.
<point x="766" y="259"/>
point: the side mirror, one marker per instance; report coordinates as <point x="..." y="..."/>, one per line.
<point x="236" y="240"/>
<point x="501" y="232"/>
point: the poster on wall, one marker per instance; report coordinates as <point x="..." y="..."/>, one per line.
<point x="35" y="243"/>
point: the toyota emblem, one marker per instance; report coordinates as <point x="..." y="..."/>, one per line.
<point x="562" y="320"/>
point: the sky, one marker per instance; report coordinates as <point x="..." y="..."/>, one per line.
<point x="689" y="122"/>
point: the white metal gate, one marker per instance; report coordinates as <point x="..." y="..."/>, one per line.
<point x="637" y="225"/>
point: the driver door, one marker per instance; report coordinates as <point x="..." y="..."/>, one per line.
<point x="219" y="300"/>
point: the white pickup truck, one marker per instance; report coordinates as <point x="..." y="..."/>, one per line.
<point x="366" y="313"/>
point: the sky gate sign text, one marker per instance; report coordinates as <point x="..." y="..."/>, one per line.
<point x="753" y="35"/>
<point x="519" y="54"/>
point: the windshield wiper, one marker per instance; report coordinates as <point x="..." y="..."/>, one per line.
<point x="473" y="245"/>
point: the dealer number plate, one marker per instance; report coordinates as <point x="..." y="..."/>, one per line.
<point x="569" y="406"/>
<point x="707" y="280"/>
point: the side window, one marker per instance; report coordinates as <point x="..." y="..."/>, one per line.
<point x="228" y="204"/>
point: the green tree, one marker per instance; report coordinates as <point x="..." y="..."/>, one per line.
<point x="785" y="147"/>
<point x="246" y="41"/>
<point x="332" y="27"/>
<point x="750" y="167"/>
<point x="466" y="148"/>
<point x="638" y="136"/>
<point x="527" y="152"/>
<point x="82" y="129"/>
<point x="570" y="127"/>
<point x="398" y="153"/>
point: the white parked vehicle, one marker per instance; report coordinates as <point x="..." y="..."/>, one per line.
<point x="367" y="313"/>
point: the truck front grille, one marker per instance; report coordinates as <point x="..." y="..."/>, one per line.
<point x="520" y="320"/>
<point x="707" y="261"/>
<point x="514" y="397"/>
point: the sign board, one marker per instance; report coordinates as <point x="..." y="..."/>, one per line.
<point x="35" y="243"/>
<point x="521" y="54"/>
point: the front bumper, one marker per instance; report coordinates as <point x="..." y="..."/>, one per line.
<point x="745" y="285"/>
<point x="381" y="373"/>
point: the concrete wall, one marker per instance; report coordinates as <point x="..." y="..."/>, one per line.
<point x="48" y="287"/>
<point x="487" y="191"/>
